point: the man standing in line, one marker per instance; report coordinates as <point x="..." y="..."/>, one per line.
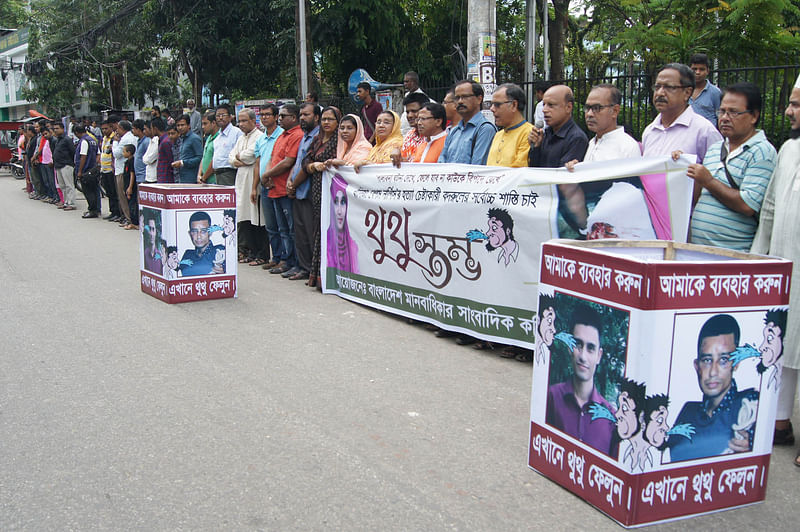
<point x="298" y="186"/>
<point x="610" y="142"/>
<point x="411" y="85"/>
<point x="85" y="161"/>
<point x="63" y="160"/>
<point x="706" y="96"/>
<point x="243" y="157"/>
<point x="124" y="136"/>
<point x="411" y="139"/>
<point x="469" y="141"/>
<point x="779" y="234"/>
<point x="107" y="175"/>
<point x="677" y="126"/>
<point x="369" y="111"/>
<point x="510" y="145"/>
<point x="264" y="146"/>
<point x="191" y="151"/>
<point x="223" y="144"/>
<point x="284" y="155"/>
<point x="731" y="183"/>
<point x="194" y="118"/>
<point x="561" y="142"/>
<point x="164" y="162"/>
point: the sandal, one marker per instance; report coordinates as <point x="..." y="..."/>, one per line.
<point x="244" y="260"/>
<point x="256" y="262"/>
<point x="508" y="351"/>
<point x="524" y="356"/>
<point x="481" y="345"/>
<point x="797" y="460"/>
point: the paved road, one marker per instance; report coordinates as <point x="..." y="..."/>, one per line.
<point x="281" y="410"/>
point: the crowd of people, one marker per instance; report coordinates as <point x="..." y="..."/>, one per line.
<point x="744" y="190"/>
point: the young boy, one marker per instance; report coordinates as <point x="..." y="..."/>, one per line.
<point x="130" y="178"/>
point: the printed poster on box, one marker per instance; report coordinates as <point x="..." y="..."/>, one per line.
<point x="656" y="373"/>
<point x="188" y="241"/>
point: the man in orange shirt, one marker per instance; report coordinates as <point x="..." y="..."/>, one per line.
<point x="284" y="154"/>
<point x="431" y="124"/>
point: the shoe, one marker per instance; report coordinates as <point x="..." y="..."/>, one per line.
<point x="463" y="339"/>
<point x="60" y="205"/>
<point x="280" y="268"/>
<point x="797" y="460"/>
<point x="269" y="265"/>
<point x="109" y="217"/>
<point x="299" y="276"/>
<point x="115" y="218"/>
<point x="69" y="208"/>
<point x="783" y="436"/>
<point x="89" y="214"/>
<point x="123" y="222"/>
<point x="291" y="271"/>
<point x="441" y="333"/>
<point x="482" y="345"/>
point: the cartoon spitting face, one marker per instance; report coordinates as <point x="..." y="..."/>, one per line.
<point x="772" y="346"/>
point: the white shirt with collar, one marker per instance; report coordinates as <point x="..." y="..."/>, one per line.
<point x="615" y="144"/>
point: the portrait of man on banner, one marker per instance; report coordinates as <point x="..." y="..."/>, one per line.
<point x="202" y="256"/>
<point x="152" y="243"/>
<point x="723" y="406"/>
<point x="586" y="368"/>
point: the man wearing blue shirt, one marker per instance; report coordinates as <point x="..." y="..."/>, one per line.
<point x="718" y="420"/>
<point x="470" y="140"/>
<point x="706" y="97"/>
<point x="298" y="186"/>
<point x="263" y="151"/>
<point x="191" y="151"/>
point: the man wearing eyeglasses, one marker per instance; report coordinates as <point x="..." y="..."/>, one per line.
<point x="731" y="183"/>
<point x="721" y="426"/>
<point x="205" y="258"/>
<point x="677" y="126"/>
<point x="510" y="145"/>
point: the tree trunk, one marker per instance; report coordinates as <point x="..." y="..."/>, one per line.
<point x="556" y="36"/>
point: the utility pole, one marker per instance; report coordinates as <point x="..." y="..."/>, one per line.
<point x="530" y="56"/>
<point x="302" y="42"/>
<point x="482" y="48"/>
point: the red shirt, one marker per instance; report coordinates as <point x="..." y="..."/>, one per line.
<point x="285" y="146"/>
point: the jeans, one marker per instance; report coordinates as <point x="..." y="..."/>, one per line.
<point x="48" y="181"/>
<point x="283" y="215"/>
<point x="271" y="224"/>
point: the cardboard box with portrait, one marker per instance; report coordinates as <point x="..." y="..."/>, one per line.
<point x="189" y="248"/>
<point x="655" y="378"/>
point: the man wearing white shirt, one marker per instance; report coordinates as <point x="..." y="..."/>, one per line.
<point x="610" y="140"/>
<point x="607" y="199"/>
<point x="124" y="137"/>
<point x="223" y="144"/>
<point x="150" y="157"/>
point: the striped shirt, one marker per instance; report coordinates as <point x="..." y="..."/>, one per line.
<point x="751" y="166"/>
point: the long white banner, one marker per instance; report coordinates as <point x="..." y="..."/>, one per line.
<point x="459" y="245"/>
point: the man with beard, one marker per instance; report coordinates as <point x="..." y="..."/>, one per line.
<point x="298" y="186"/>
<point x="779" y="234"/>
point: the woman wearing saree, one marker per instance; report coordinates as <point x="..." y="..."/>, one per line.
<point x="387" y="139"/>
